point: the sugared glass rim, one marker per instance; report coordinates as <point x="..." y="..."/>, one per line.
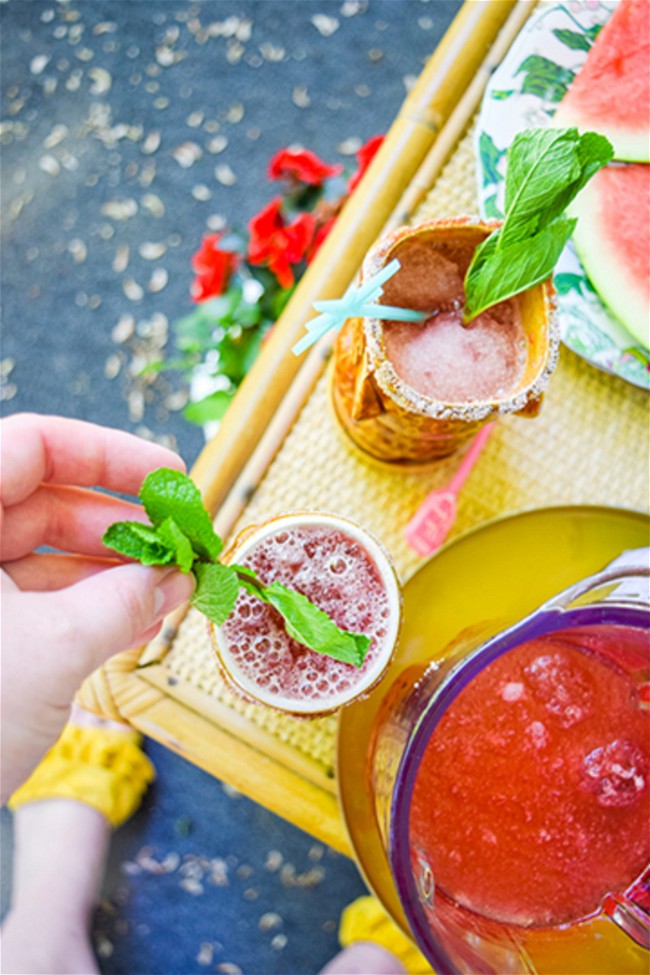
<point x="313" y="708"/>
<point x="404" y="395"/>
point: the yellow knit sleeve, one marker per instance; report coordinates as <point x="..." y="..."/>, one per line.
<point x="104" y="768"/>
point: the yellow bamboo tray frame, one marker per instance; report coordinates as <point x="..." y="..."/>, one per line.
<point x="279" y="448"/>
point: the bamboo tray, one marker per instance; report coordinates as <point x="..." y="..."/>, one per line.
<point x="280" y="449"/>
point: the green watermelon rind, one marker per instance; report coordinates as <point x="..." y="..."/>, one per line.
<point x="602" y="265"/>
<point x="629" y="146"/>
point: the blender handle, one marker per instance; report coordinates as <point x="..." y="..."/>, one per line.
<point x="631" y="910"/>
<point x="564" y="599"/>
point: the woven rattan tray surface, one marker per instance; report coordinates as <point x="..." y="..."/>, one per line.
<point x="589" y="445"/>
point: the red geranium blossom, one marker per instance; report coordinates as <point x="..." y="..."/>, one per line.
<point x="213" y="268"/>
<point x="301" y="166"/>
<point x="277" y="244"/>
<point x="365" y="156"/>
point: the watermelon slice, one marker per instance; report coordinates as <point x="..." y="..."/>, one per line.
<point x="611" y="93"/>
<point x="612" y="238"/>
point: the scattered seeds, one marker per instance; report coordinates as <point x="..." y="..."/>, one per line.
<point x="153" y="204"/>
<point x="187" y="153"/>
<point x="224" y="175"/>
<point x="112" y="366"/>
<point x="50" y="165"/>
<point x="78" y="250"/>
<point x="217" y="145"/>
<point x="151" y="250"/>
<point x="133" y="290"/>
<point x="325" y="25"/>
<point x="235" y="113"/>
<point x="39" y="63"/>
<point x="121" y="259"/>
<point x="57" y="135"/>
<point x="158" y="280"/>
<point x="120" y="209"/>
<point x="201" y="192"/>
<point x="101" y="81"/>
<point x="195" y="120"/>
<point x="151" y="143"/>
<point x="270" y="921"/>
<point x="274" y="860"/>
<point x="349" y="147"/>
<point x="124" y="329"/>
<point x="300" y="97"/>
<point x="206" y="954"/>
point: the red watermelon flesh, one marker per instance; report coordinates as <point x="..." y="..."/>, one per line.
<point x="612" y="238"/>
<point x="611" y="93"/>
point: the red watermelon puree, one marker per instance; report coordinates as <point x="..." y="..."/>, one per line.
<point x="338" y="574"/>
<point x="453" y="363"/>
<point x="532" y="798"/>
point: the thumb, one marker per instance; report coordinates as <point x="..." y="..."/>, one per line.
<point x="114" y="610"/>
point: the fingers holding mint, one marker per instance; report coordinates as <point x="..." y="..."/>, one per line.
<point x="181" y="534"/>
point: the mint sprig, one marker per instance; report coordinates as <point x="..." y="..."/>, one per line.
<point x="181" y="534"/>
<point x="546" y="169"/>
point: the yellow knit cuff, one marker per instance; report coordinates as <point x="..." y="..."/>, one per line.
<point x="366" y="920"/>
<point x="102" y="768"/>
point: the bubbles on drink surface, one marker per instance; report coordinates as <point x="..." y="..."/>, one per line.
<point x="563" y="690"/>
<point x="616" y="773"/>
<point x="334" y="572"/>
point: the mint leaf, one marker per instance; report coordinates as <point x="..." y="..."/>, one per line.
<point x="169" y="533"/>
<point x="216" y="591"/>
<point x="166" y="493"/>
<point x="489" y="283"/>
<point x="137" y="541"/>
<point x="546" y="169"/>
<point x="313" y="628"/>
<point x="181" y="534"/>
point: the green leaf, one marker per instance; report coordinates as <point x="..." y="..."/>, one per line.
<point x="166" y="493"/>
<point x="211" y="407"/>
<point x="564" y="283"/>
<point x="216" y="591"/>
<point x="517" y="268"/>
<point x="313" y="628"/>
<point x="544" y="78"/>
<point x="491" y="156"/>
<point x="546" y="169"/>
<point x="137" y="541"/>
<point x="169" y="532"/>
<point x="573" y="39"/>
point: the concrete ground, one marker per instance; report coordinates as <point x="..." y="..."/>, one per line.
<point x="129" y="129"/>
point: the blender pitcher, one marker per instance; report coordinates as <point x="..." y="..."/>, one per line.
<point x="511" y="785"/>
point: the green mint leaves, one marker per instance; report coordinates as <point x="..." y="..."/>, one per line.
<point x="546" y="169"/>
<point x="181" y="534"/>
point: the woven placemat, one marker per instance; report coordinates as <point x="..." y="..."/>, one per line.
<point x="589" y="445"/>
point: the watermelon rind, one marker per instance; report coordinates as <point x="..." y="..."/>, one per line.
<point x="625" y="296"/>
<point x="629" y="146"/>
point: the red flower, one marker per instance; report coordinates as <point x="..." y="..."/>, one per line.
<point x="365" y="156"/>
<point x="277" y="244"/>
<point x="301" y="166"/>
<point x="213" y="268"/>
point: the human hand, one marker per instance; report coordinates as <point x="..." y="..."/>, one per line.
<point x="66" y="612"/>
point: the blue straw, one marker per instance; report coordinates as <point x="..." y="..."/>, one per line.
<point x="357" y="302"/>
